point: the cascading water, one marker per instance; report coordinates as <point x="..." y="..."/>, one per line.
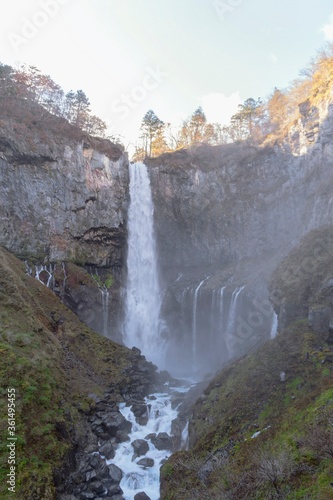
<point x="142" y="327"/>
<point x="232" y="321"/>
<point x="144" y="475"/>
<point x="274" y="327"/>
<point x="105" y="296"/>
<point x="194" y="325"/>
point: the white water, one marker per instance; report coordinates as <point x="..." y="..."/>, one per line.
<point x="48" y="271"/>
<point x="137" y="478"/>
<point x="194" y="325"/>
<point x="274" y="327"/>
<point x="142" y="326"/>
<point x="232" y="321"/>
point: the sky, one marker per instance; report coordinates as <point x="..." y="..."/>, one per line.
<point x="171" y="56"/>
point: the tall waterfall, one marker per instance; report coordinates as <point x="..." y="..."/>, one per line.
<point x="143" y="299"/>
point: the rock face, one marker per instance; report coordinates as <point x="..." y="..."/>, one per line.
<point x="67" y="201"/>
<point x="225" y="217"/>
<point x="219" y="205"/>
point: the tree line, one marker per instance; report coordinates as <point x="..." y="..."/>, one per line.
<point x="28" y="87"/>
<point x="257" y="121"/>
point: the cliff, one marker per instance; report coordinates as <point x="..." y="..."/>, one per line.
<point x="62" y="198"/>
<point x="225" y="218"/>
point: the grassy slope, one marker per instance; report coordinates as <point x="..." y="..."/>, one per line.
<point x="54" y="362"/>
<point x="248" y="397"/>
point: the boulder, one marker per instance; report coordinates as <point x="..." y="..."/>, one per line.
<point x="146" y="462"/>
<point x="141" y="496"/>
<point x="115" y="473"/>
<point x="107" y="450"/>
<point x="140" y="447"/>
<point x="162" y="441"/>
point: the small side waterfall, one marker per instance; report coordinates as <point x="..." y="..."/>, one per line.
<point x="194" y="325"/>
<point x="143" y="299"/>
<point x="274" y="325"/>
<point x="105" y="296"/>
<point x="232" y="321"/>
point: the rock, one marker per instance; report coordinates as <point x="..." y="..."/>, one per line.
<point x="140" y="447"/>
<point x="87" y="495"/>
<point x="107" y="450"/>
<point x="116" y="474"/>
<point x="114" y="489"/>
<point x="162" y="441"/>
<point x="97" y="487"/>
<point x="141" y="496"/>
<point x="146" y="462"/>
<point x="141" y="413"/>
<point x="122" y="437"/>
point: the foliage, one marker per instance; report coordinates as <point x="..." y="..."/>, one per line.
<point x="291" y="457"/>
<point x="28" y="87"/>
<point x="53" y="372"/>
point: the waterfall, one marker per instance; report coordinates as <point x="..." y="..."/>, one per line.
<point x="143" y="298"/>
<point x="47" y="273"/>
<point x="232" y="320"/>
<point x="105" y="296"/>
<point x="274" y="325"/>
<point x="194" y="324"/>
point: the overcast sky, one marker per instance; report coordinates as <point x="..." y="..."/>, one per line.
<point x="167" y="55"/>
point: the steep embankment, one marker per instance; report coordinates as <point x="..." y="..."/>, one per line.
<point x="263" y="427"/>
<point x="60" y="371"/>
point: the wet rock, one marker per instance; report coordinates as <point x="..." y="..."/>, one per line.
<point x="116" y="474"/>
<point x="141" y="496"/>
<point x="114" y="489"/>
<point x="141" y="413"/>
<point x="107" y="450"/>
<point x="162" y="441"/>
<point x="106" y="424"/>
<point x="140" y="447"/>
<point x="122" y="437"/>
<point x="146" y="462"/>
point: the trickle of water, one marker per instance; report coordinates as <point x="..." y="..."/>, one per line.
<point x="232" y="320"/>
<point x="142" y="326"/>
<point x="194" y="324"/>
<point x="274" y="327"/>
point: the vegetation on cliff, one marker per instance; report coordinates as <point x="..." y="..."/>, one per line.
<point x="263" y="427"/>
<point x="257" y="121"/>
<point x="55" y="364"/>
<point x="37" y="109"/>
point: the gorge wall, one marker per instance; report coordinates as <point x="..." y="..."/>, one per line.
<point x="225" y="217"/>
<point x="65" y="199"/>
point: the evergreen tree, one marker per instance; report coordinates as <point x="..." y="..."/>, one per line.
<point x="152" y="131"/>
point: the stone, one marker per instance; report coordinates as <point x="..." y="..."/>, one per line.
<point x="122" y="436"/>
<point x="141" y="496"/>
<point x="115" y="473"/>
<point x="146" y="462"/>
<point x="107" y="450"/>
<point x="140" y="447"/>
<point x="97" y="487"/>
<point x="162" y="441"/>
<point x="141" y="413"/>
